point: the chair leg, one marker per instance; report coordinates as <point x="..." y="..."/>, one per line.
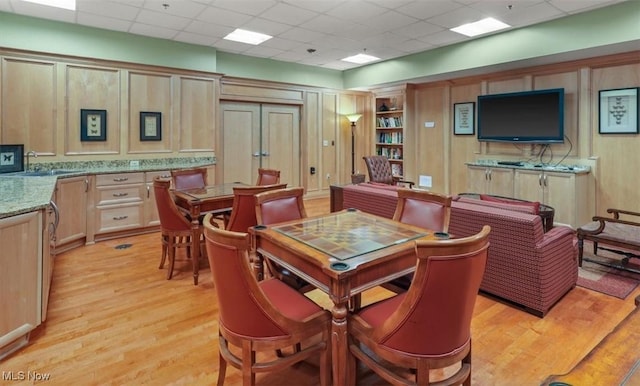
<point x="172" y="257"/>
<point x="164" y="252"/>
<point x="248" y="360"/>
<point x="222" y="370"/>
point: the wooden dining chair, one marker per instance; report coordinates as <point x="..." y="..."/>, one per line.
<point x="243" y="211"/>
<point x="258" y="319"/>
<point x="424" y="209"/>
<point x="268" y="176"/>
<point x="189" y="178"/>
<point x="277" y="206"/>
<point x="175" y="228"/>
<point x="428" y="327"/>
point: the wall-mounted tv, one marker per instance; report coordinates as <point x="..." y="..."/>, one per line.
<point x="528" y="117"/>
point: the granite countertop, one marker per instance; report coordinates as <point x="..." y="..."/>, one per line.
<point x="561" y="168"/>
<point x="23" y="194"/>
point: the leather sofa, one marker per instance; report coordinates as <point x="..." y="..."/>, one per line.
<point x="526" y="266"/>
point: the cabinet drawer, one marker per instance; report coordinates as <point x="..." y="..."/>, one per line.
<point x="118" y="194"/>
<point x="119" y="217"/>
<point x="119" y="179"/>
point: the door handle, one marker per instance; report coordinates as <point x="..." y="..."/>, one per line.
<point x="265" y="154"/>
<point x="256" y="154"/>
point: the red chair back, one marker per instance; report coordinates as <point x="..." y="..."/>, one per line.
<point x="280" y="205"/>
<point x="243" y="212"/>
<point x="268" y="176"/>
<point x="424" y="209"/>
<point x="171" y="219"/>
<point x="189" y="179"/>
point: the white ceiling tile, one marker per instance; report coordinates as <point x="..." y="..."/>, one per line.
<point x="334" y="28"/>
<point x="153" y="31"/>
<point x="287" y="14"/>
<point x="223" y="17"/>
<point x="428" y="9"/>
<point x="97" y="21"/>
<point x="207" y="29"/>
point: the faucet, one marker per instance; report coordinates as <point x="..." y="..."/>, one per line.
<point x="28" y="155"/>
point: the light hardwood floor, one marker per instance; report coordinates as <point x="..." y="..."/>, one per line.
<point x="114" y="319"/>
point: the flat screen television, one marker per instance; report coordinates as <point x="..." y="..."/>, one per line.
<point x="526" y="117"/>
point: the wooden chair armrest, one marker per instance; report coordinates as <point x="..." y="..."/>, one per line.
<point x="617" y="212"/>
<point x="397" y="181"/>
<point x="614" y="220"/>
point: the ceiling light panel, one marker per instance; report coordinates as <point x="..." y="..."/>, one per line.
<point x="248" y="37"/>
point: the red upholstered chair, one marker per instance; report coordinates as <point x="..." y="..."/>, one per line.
<point x="278" y="206"/>
<point x="189" y="178"/>
<point x="243" y="211"/>
<point x="424" y="209"/>
<point x="175" y="228"/>
<point x="265" y="316"/>
<point x="429" y="326"/>
<point x="268" y="177"/>
<point x="380" y="171"/>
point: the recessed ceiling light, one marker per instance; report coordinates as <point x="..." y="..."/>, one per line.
<point x="480" y="27"/>
<point x="66" y="4"/>
<point x="361" y="59"/>
<point x="249" y="37"/>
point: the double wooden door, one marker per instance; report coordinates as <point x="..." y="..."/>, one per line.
<point x="260" y="135"/>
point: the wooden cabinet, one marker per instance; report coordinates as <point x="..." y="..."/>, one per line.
<point x="150" y="209"/>
<point x="119" y="203"/>
<point x="20" y="279"/>
<point x="567" y="193"/>
<point x="489" y="180"/>
<point x="390" y="124"/>
<point x="71" y="199"/>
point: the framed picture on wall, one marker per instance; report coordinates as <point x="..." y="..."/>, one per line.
<point x="93" y="125"/>
<point x="618" y="111"/>
<point x="11" y="158"/>
<point x="464" y="118"/>
<point x="150" y="126"/>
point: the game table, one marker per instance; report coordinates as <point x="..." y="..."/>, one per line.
<point x="343" y="254"/>
<point x="197" y="201"/>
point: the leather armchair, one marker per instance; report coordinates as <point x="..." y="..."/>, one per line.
<point x="265" y="316"/>
<point x="379" y="170"/>
<point x="429" y="326"/>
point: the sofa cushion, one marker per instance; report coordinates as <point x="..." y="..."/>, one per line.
<point x="374" y="199"/>
<point x="535" y="205"/>
<point x="498" y="205"/>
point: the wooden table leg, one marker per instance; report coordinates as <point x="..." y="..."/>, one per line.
<point x="339" y="343"/>
<point x="195" y="241"/>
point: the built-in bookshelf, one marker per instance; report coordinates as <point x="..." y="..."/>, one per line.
<point x="390" y="130"/>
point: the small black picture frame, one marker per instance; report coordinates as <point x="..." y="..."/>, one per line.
<point x="150" y="126"/>
<point x="464" y="118"/>
<point x="11" y="158"/>
<point x="93" y="125"/>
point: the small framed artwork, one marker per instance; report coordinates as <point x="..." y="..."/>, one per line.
<point x="464" y="118"/>
<point x="618" y="111"/>
<point x="150" y="126"/>
<point x="93" y="125"/>
<point x="11" y="158"/>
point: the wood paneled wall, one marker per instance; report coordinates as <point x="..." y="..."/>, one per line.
<point x="612" y="157"/>
<point x="41" y="97"/>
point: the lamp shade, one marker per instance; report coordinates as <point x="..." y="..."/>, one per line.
<point x="353" y="118"/>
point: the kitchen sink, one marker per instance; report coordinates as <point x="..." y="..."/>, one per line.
<point x="44" y="173"/>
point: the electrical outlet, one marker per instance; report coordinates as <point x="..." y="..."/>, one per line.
<point x="134" y="164"/>
<point x="425" y="181"/>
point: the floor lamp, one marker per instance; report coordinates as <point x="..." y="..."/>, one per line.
<point x="353" y="118"/>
